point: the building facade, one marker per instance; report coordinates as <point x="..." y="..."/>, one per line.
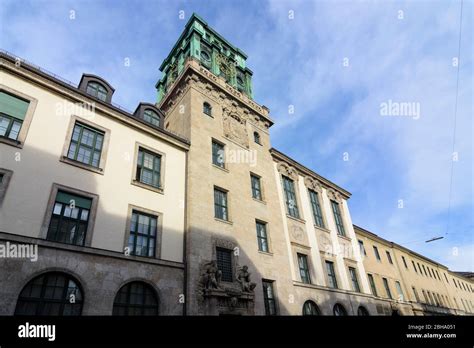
<point x="183" y="207"/>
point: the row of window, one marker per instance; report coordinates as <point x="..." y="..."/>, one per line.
<point x="438" y="300"/>
<point x="59" y="294"/>
<point x="426" y="271"/>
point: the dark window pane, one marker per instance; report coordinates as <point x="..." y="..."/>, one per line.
<point x="224" y="263"/>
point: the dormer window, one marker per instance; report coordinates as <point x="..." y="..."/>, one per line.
<point x="97" y="90"/>
<point x="207" y="109"/>
<point x="152" y="117"/>
<point x="256" y="138"/>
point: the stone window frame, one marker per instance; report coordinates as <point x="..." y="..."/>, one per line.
<point x="159" y="230"/>
<point x="7" y="176"/>
<point x="228" y="205"/>
<point x="309" y="268"/>
<point x="353" y="265"/>
<point x="224" y="166"/>
<point x="50" y="206"/>
<point x="229" y="245"/>
<point x="304" y="250"/>
<point x="336" y="276"/>
<point x="269" y="240"/>
<point x="138" y="183"/>
<point x="104" y="151"/>
<point x="275" y="296"/>
<point x="207" y="105"/>
<point x="25" y="126"/>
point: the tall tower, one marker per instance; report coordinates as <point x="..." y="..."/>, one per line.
<point x="233" y="212"/>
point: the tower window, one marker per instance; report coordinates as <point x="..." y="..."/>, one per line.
<point x="207" y="109"/>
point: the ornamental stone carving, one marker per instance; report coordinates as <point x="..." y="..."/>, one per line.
<point x="243" y="277"/>
<point x="235" y="127"/>
<point x="334" y="195"/>
<point x="287" y="170"/>
<point x="211" y="276"/>
<point x="313" y="184"/>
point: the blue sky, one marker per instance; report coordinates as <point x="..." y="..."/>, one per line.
<point x="396" y="50"/>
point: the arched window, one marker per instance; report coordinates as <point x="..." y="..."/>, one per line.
<point x="207" y="108"/>
<point x="339" y="310"/>
<point x="256" y="138"/>
<point x="310" y="308"/>
<point x="151" y="117"/>
<point x="136" y="298"/>
<point x="362" y="311"/>
<point x="97" y="90"/>
<point x="52" y="293"/>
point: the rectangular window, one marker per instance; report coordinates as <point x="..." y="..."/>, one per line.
<point x="376" y="252"/>
<point x="142" y="238"/>
<point x="432" y="302"/>
<point x="437" y="275"/>
<point x="256" y="188"/>
<point x="419" y="268"/>
<point x="362" y="248"/>
<point x="355" y="281"/>
<point x="424" y="296"/>
<point x="404" y="262"/>
<point x="218" y="158"/>
<point x="220" y="204"/>
<point x="290" y="196"/>
<point x="338" y="218"/>
<point x="148" y="168"/>
<point x="69" y="219"/>
<point x="269" y="297"/>
<point x="424" y="269"/>
<point x="372" y="284"/>
<point x="316" y="207"/>
<point x="399" y="291"/>
<point x="387" y="287"/>
<point x="414" y="266"/>
<point x="389" y="257"/>
<point x="416" y="294"/>
<point x="331" y="274"/>
<point x="12" y="114"/>
<point x="86" y="145"/>
<point x="304" y="269"/>
<point x="224" y="263"/>
<point x="262" y="236"/>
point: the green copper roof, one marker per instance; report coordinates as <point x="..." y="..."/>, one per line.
<point x="203" y="44"/>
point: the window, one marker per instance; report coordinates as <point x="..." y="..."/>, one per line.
<point x="389" y="257"/>
<point x="416" y="294"/>
<point x="437" y="275"/>
<point x="372" y="284"/>
<point x="387" y="288"/>
<point x="316" y="208"/>
<point x="376" y="252"/>
<point x="429" y="272"/>
<point x="424" y="269"/>
<point x="424" y="296"/>
<point x="338" y="218"/>
<point x="419" y="268"/>
<point x="143" y="231"/>
<point x="148" y="168"/>
<point x="52" y="293"/>
<point x="310" y="308"/>
<point x="399" y="291"/>
<point x="262" y="236"/>
<point x="97" y="90"/>
<point x="13" y="111"/>
<point x="362" y="312"/>
<point x="224" y="263"/>
<point x="404" y="262"/>
<point x="414" y="266"/>
<point x="5" y="176"/>
<point x="332" y="280"/>
<point x="220" y="204"/>
<point x="136" y="298"/>
<point x="206" y="59"/>
<point x="355" y="281"/>
<point x="339" y="310"/>
<point x="69" y="219"/>
<point x="256" y="187"/>
<point x="207" y="109"/>
<point x="256" y="138"/>
<point x="362" y="248"/>
<point x="430" y="298"/>
<point x="151" y="117"/>
<point x="304" y="269"/>
<point x="290" y="196"/>
<point x="86" y="145"/>
<point x="269" y="297"/>
<point x="218" y="154"/>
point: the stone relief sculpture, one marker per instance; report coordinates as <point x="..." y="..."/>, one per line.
<point x="211" y="276"/>
<point x="235" y="128"/>
<point x="243" y="277"/>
